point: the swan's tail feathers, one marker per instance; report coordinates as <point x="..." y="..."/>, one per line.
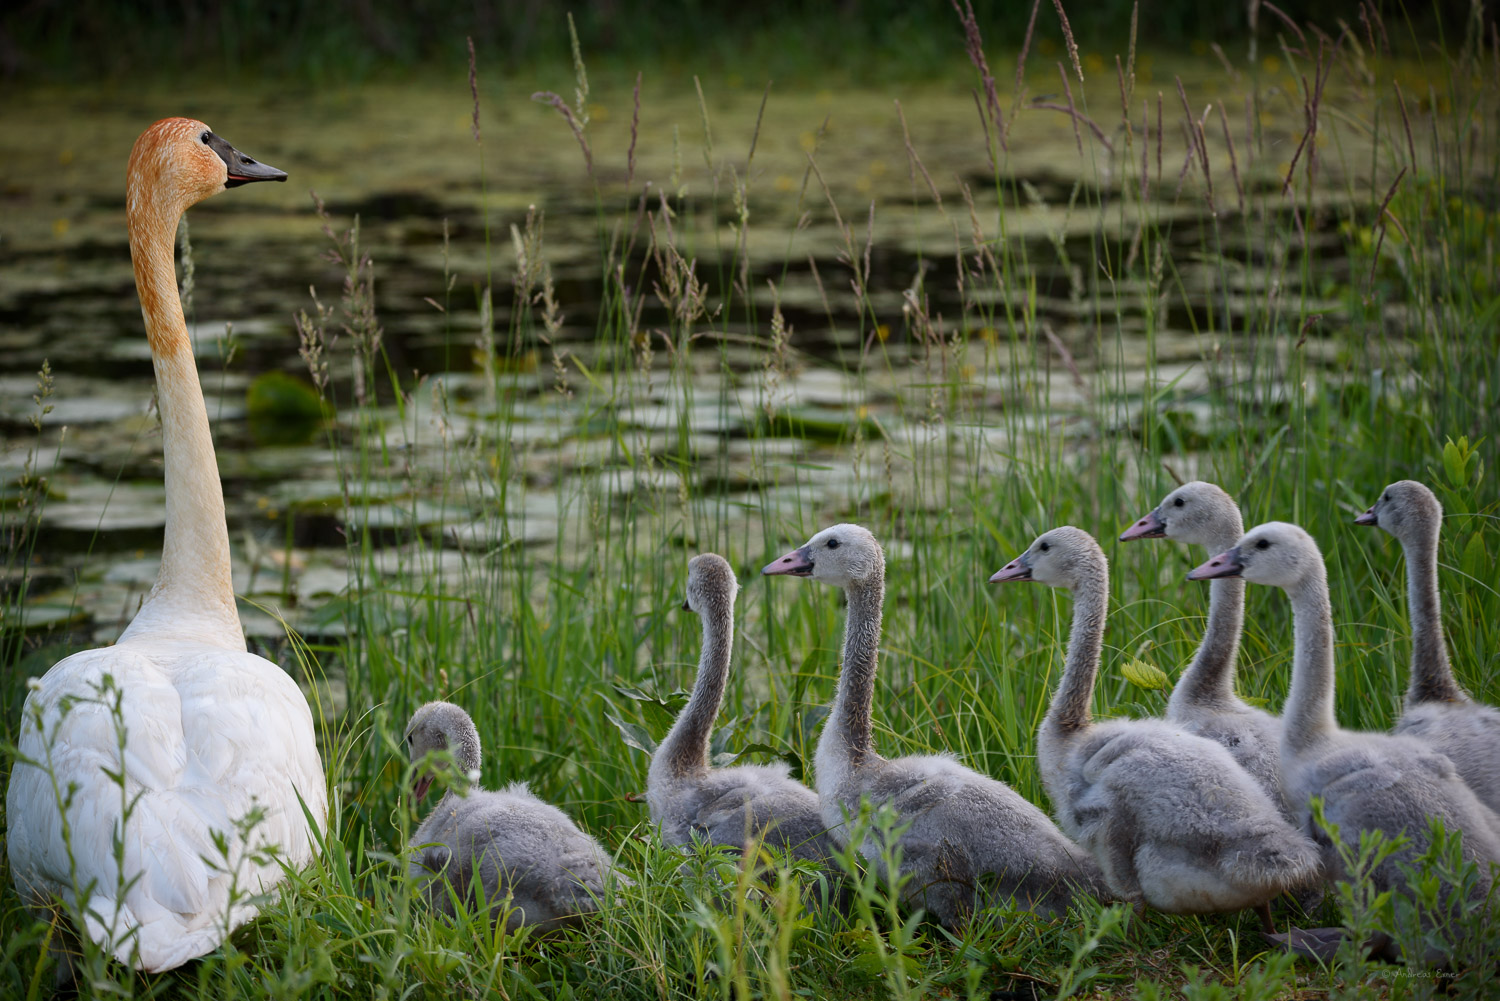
<point x="154" y="942"/>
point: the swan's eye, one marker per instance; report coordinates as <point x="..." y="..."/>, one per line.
<point x="1178" y="502"/>
<point x="833" y="543"/>
<point x="1385" y="497"/>
<point x="1263" y="544"/>
<point x="1044" y="547"/>
<point x="204" y="138"/>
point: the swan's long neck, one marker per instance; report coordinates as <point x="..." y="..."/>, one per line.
<point x="1071" y="713"/>
<point x="847" y="735"/>
<point x="684" y="750"/>
<point x="1309" y="705"/>
<point x="1209" y="677"/>
<point x="1431" y="674"/>
<point x="193" y="595"/>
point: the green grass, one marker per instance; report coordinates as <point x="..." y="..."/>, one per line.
<point x="982" y="445"/>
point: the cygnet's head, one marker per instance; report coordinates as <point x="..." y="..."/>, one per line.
<point x="843" y="555"/>
<point x="711" y="584"/>
<point x="1063" y="557"/>
<point x="1406" y="509"/>
<point x="442" y="726"/>
<point x="1197" y="513"/>
<point x="1276" y="553"/>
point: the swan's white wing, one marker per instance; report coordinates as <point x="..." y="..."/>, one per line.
<point x="210" y="733"/>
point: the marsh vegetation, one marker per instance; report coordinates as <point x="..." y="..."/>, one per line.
<point x="552" y="349"/>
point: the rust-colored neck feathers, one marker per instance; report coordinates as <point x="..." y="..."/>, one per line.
<point x="171" y="169"/>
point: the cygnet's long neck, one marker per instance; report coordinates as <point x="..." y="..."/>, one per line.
<point x="193" y="595"/>
<point x="1431" y="674"/>
<point x="684" y="750"/>
<point x="1071" y="713"/>
<point x="1208" y="679"/>
<point x="1309" y="706"/>
<point x="847" y="737"/>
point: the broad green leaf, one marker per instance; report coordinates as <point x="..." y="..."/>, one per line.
<point x="1144" y="675"/>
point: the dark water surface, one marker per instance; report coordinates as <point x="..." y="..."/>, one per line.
<point x="403" y="159"/>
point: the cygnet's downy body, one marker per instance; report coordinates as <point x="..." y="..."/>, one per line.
<point x="970" y="841"/>
<point x="724" y="806"/>
<point x="1438" y="711"/>
<point x="1171" y="817"/>
<point x="1367" y="781"/>
<point x="1204" y="701"/>
<point x="519" y="846"/>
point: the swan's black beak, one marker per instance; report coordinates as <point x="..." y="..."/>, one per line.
<point x="1149" y="527"/>
<point x="685" y="606"/>
<point x="1017" y="569"/>
<point x="242" y="169"/>
<point x="1226" y="564"/>
<point x="797" y="563"/>
<point x="1368" y="518"/>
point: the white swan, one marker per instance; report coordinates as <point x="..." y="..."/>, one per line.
<point x="1171" y="818"/>
<point x="726" y="806"/>
<point x="1367" y="781"/>
<point x="1203" y="701"/>
<point x="519" y="845"/>
<point x="1438" y="711"/>
<point x="212" y="732"/>
<point x="970" y="840"/>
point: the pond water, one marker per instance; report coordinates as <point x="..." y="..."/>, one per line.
<point x="436" y="211"/>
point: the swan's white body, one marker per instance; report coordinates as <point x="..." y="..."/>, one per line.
<point x="219" y="757"/>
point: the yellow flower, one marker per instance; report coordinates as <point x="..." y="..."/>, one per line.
<point x="883" y="331"/>
<point x="1270" y="64"/>
<point x="785" y="183"/>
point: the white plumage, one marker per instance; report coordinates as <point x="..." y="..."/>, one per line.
<point x="157" y="844"/>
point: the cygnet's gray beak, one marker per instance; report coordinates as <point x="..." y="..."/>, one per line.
<point x="1226" y="564"/>
<point x="1149" y="527"/>
<point x="1368" y="518"/>
<point x="797" y="563"/>
<point x="1017" y="569"/>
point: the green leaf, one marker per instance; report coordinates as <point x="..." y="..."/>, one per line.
<point x="633" y="734"/>
<point x="1475" y="556"/>
<point x="1144" y="675"/>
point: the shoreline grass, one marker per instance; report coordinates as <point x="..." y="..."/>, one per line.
<point x="956" y="437"/>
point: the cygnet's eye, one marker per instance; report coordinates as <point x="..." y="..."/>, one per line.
<point x="1263" y="544"/>
<point x="1045" y="546"/>
<point x="204" y="138"/>
<point x="1385" y="496"/>
<point x="1178" y="502"/>
<point x="833" y="543"/>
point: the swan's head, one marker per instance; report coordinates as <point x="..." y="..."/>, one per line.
<point x="843" y="555"/>
<point x="1197" y="513"/>
<point x="1276" y="553"/>
<point x="442" y="726"/>
<point x="1406" y="509"/>
<point x="711" y="584"/>
<point x="180" y="161"/>
<point x="1063" y="557"/>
